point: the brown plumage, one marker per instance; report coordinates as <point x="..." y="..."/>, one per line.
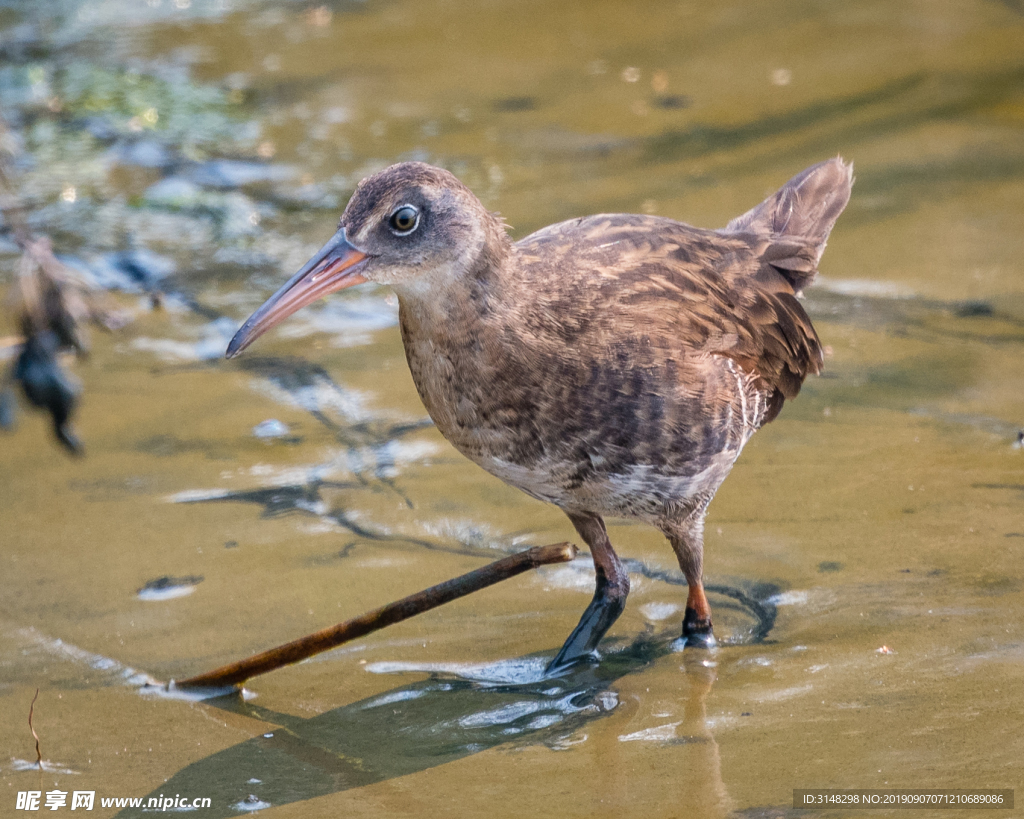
<point x="612" y="365"/>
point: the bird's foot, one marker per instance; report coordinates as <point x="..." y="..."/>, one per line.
<point x="697" y="632"/>
<point x="608" y="603"/>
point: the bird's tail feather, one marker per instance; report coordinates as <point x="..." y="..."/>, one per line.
<point x="798" y="217"/>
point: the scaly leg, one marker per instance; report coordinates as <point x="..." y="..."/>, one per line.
<point x="687" y="539"/>
<point x="609" y="596"/>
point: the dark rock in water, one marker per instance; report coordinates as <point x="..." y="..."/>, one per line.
<point x="101" y="128"/>
<point x="142" y="266"/>
<point x="167" y="587"/>
<point x="21" y="43"/>
<point x="130" y="271"/>
<point x="47" y="386"/>
<point x="143" y="153"/>
<point x="304" y="197"/>
<point x="175" y="193"/>
<point x="673" y="101"/>
<point x="303" y="499"/>
<point x="513" y="104"/>
<point x="227" y="174"/>
<point x="973" y="309"/>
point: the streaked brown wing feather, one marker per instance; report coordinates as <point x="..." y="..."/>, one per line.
<point x="687" y="292"/>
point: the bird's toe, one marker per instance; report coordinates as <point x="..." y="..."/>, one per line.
<point x="697" y="631"/>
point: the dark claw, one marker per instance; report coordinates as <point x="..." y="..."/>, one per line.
<point x="602" y="612"/>
<point x="697" y="631"/>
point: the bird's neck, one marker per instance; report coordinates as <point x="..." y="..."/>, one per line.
<point x="452" y="301"/>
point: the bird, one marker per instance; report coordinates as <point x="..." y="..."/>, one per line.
<point x="614" y="365"/>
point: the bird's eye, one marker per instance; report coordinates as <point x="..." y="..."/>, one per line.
<point x="405" y="219"/>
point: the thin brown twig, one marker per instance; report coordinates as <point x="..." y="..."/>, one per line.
<point x="31" y="709"/>
<point x="328" y="638"/>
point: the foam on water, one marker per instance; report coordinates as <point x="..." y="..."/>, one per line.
<point x="31" y="639"/>
<point x="170" y="691"/>
<point x="45" y="765"/>
<point x="519" y="671"/>
<point x="661" y="733"/>
<point x="250" y="803"/>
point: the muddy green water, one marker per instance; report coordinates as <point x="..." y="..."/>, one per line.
<point x="882" y="509"/>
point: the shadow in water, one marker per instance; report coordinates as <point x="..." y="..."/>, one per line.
<point x="439" y="720"/>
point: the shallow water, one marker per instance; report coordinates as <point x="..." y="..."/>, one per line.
<point x="226" y="507"/>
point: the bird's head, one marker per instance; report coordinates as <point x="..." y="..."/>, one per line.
<point x="412" y="226"/>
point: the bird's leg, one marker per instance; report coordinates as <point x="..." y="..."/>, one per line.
<point x="609" y="596"/>
<point x="688" y="542"/>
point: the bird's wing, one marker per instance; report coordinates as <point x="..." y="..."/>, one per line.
<point x="674" y="291"/>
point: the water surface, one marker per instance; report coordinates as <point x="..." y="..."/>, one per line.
<point x="225" y="507"/>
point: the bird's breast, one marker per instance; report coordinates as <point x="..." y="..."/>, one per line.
<point x="619" y="431"/>
<point x="467" y="391"/>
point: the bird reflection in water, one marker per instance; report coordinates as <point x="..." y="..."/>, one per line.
<point x="448" y="717"/>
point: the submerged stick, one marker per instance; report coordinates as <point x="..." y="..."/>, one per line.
<point x="328" y="638"/>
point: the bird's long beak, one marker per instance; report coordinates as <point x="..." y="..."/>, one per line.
<point x="333" y="268"/>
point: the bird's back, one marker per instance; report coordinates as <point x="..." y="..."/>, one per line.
<point x="600" y="280"/>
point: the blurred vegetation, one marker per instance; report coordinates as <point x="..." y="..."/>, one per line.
<point x="88" y="136"/>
